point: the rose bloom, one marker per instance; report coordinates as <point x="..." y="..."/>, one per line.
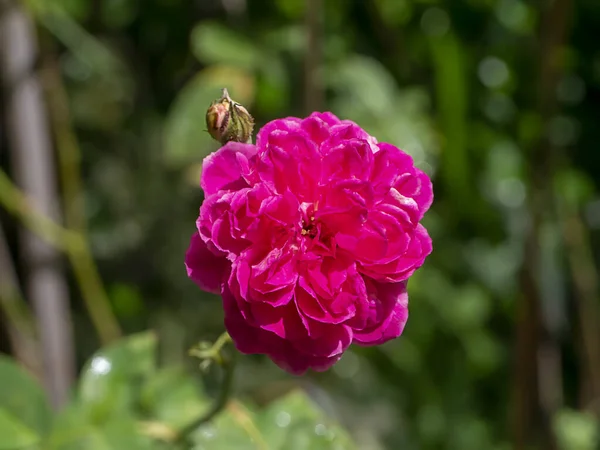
<point x="310" y="237"/>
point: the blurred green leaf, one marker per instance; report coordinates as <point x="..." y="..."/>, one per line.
<point x="22" y="399"/>
<point x="576" y="430"/>
<point x="126" y="300"/>
<point x="14" y="435"/>
<point x="293" y="422"/>
<point x="111" y="380"/>
<point x="119" y="13"/>
<point x="212" y="43"/>
<point x="294" y="9"/>
<point x="230" y="431"/>
<point x="573" y="187"/>
<point x="174" y="398"/>
<point x="79" y="41"/>
<point x="74" y="431"/>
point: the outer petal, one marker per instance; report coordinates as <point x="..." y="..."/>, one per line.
<point x="419" y="188"/>
<point x="402" y="267"/>
<point x="387" y="316"/>
<point x="207" y="269"/>
<point x="289" y="124"/>
<point x="224" y="168"/>
<point x="254" y="340"/>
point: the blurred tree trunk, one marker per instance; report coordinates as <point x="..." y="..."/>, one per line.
<point x="19" y="326"/>
<point x="33" y="168"/>
<point x="543" y="158"/>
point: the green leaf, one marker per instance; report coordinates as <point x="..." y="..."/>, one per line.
<point x="186" y="138"/>
<point x="22" y="398"/>
<point x="213" y="43"/>
<point x="234" y="428"/>
<point x="75" y="431"/>
<point x="111" y="380"/>
<point x="293" y="422"/>
<point x="174" y="398"/>
<point x="14" y="435"/>
<point x="576" y="430"/>
<point x="574" y="187"/>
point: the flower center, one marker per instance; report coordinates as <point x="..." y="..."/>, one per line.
<point x="309" y="228"/>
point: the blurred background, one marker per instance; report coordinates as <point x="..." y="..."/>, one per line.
<point x="102" y="130"/>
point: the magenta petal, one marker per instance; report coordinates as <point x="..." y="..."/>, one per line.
<point x="223" y="169"/>
<point x="388" y="315"/>
<point x="253" y="340"/>
<point x="300" y="363"/>
<point x="325" y="340"/>
<point x="288" y="124"/>
<point x="424" y="197"/>
<point x="205" y="268"/>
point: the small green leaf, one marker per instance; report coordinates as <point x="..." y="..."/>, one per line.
<point x="22" y="398"/>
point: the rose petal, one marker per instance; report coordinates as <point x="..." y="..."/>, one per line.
<point x="223" y="169"/>
<point x="204" y="267"/>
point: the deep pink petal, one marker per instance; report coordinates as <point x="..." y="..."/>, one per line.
<point x="254" y="340"/>
<point x="388" y="313"/>
<point x="204" y="267"/>
<point x="405" y="264"/>
<point x="223" y="169"/>
<point x="289" y="124"/>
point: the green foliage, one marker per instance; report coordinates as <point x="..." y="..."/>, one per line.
<point x="292" y="422"/>
<point x="124" y="401"/>
<point x="576" y="430"/>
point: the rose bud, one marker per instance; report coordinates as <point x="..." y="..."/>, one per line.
<point x="227" y="121"/>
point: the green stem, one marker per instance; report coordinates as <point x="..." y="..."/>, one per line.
<point x="227" y="363"/>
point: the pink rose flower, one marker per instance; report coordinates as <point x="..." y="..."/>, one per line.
<point x="310" y="237"/>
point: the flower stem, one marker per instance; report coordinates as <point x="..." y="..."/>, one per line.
<point x="214" y="353"/>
